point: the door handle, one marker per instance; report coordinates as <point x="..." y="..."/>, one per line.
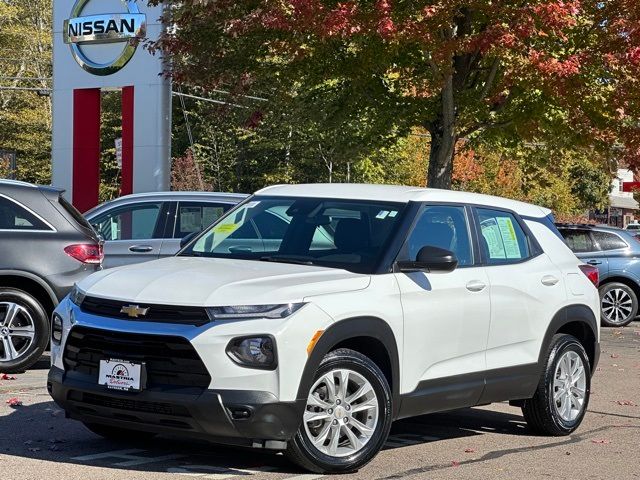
<point x="594" y="262"/>
<point x="476" y="286"/>
<point x="140" y="248"/>
<point x="549" y="280"/>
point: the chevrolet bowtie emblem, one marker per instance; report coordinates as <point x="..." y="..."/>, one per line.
<point x="134" y="311"/>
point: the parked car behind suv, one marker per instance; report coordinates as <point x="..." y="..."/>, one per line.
<point x="45" y="247"/>
<point x="367" y="305"/>
<point x="147" y="226"/>
<point x="616" y="253"/>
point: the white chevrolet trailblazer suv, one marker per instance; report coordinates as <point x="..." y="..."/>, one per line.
<point x="310" y="317"/>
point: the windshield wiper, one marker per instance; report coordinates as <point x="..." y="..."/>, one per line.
<point x="285" y="259"/>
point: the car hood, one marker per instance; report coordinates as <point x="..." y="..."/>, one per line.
<point x="216" y="282"/>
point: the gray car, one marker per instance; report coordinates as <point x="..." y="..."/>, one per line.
<point x="45" y="247"/>
<point x="616" y="253"/>
<point x="147" y="226"/>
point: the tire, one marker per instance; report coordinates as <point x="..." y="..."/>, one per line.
<point x="18" y="351"/>
<point x="118" y="434"/>
<point x="362" y="373"/>
<point x="543" y="414"/>
<point x="618" y="304"/>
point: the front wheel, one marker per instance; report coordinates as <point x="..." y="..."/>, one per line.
<point x="560" y="402"/>
<point x="347" y="416"/>
<point x="618" y="304"/>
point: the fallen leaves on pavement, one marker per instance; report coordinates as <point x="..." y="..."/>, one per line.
<point x="14" y="402"/>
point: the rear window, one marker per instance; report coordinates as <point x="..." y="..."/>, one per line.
<point x="579" y="241"/>
<point x="73" y="211"/>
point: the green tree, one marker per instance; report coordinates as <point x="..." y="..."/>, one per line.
<point x="25" y="67"/>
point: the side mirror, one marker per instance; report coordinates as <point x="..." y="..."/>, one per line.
<point x="431" y="259"/>
<point x="185" y="240"/>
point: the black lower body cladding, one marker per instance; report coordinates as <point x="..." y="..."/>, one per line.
<point x="236" y="417"/>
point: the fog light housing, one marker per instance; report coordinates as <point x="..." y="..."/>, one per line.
<point x="56" y="329"/>
<point x="257" y="351"/>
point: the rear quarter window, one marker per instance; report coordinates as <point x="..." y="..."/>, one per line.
<point x="14" y="216"/>
<point x="609" y="241"/>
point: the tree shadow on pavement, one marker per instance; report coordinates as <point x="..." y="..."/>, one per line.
<point x="39" y="430"/>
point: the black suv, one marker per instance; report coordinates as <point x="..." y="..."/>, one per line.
<point x="616" y="253"/>
<point x="45" y="247"/>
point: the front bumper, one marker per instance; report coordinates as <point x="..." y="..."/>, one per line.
<point x="236" y="417"/>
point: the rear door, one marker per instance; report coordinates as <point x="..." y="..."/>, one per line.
<point x="189" y="217"/>
<point x="582" y="242"/>
<point x="132" y="233"/>
<point x="526" y="292"/>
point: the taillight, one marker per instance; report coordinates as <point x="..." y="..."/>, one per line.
<point x="592" y="273"/>
<point x="88" y="253"/>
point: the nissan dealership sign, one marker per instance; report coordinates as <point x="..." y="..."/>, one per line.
<point x="98" y="48"/>
<point x="124" y="28"/>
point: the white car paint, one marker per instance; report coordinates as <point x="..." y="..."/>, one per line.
<point x="444" y="324"/>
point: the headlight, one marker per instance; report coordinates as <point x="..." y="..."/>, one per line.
<point x="56" y="329"/>
<point x="257" y="351"/>
<point x="253" y="311"/>
<point x="76" y="295"/>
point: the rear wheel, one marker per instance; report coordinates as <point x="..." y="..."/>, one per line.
<point x="618" y="304"/>
<point x="347" y="417"/>
<point x="120" y="434"/>
<point x="561" y="400"/>
<point x="24" y="330"/>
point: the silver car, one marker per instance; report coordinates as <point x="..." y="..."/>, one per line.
<point x="147" y="226"/>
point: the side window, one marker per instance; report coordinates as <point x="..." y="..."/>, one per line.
<point x="609" y="241"/>
<point x="15" y="217"/>
<point x="502" y="238"/>
<point x="444" y="227"/>
<point x="196" y="216"/>
<point x="579" y="241"/>
<point x="132" y="222"/>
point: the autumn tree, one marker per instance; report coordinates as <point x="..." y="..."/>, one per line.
<point x="560" y="71"/>
<point x="25" y="70"/>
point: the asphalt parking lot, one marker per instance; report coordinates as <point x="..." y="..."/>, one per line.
<point x="37" y="442"/>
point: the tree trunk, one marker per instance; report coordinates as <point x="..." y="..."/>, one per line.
<point x="443" y="139"/>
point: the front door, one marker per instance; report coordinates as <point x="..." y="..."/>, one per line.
<point x="446" y="317"/>
<point x="132" y="233"/>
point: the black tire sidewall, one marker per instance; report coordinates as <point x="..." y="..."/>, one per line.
<point x="364" y="366"/>
<point x="634" y="298"/>
<point x="561" y="345"/>
<point x="41" y="326"/>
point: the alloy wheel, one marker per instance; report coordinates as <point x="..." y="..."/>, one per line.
<point x="617" y="305"/>
<point x="341" y="413"/>
<point x="17" y="331"/>
<point x="569" y="386"/>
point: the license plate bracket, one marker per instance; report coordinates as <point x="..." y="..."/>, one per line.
<point x="123" y="375"/>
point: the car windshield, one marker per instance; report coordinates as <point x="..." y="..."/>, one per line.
<point x="348" y="234"/>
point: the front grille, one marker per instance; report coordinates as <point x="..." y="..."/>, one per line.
<point x="169" y="360"/>
<point x="156" y="313"/>
<point x="129" y="404"/>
